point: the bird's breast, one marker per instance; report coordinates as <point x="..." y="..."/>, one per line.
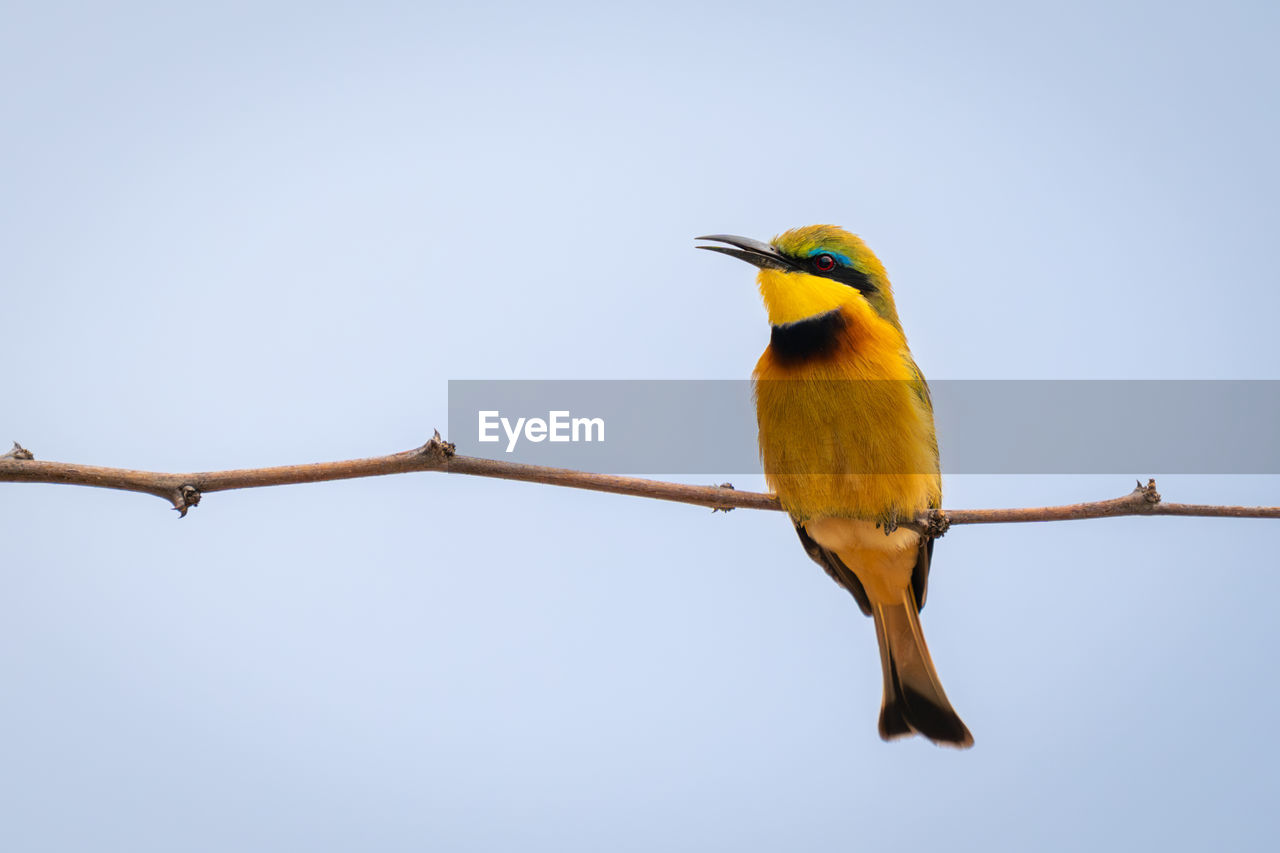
<point x="845" y="426"/>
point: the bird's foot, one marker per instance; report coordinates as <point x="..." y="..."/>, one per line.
<point x="889" y="522"/>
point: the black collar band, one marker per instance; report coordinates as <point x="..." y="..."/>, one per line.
<point x="813" y="337"/>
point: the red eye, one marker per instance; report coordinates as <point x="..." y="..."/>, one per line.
<point x="824" y="263"/>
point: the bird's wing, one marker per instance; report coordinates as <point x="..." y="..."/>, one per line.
<point x="921" y="388"/>
<point x="836" y="568"/>
<point x="920" y="574"/>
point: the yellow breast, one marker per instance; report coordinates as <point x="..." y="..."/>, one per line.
<point x="849" y="434"/>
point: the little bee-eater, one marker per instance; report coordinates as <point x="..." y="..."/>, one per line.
<point x="848" y="445"/>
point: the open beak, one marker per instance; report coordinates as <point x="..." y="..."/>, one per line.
<point x="754" y="252"/>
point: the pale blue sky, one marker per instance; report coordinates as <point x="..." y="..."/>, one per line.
<point x="270" y="233"/>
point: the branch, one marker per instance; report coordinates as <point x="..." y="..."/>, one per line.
<point x="184" y="490"/>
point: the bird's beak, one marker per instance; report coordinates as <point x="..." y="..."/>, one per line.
<point x="753" y="252"/>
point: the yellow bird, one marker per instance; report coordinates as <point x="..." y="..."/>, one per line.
<point x="848" y="445"/>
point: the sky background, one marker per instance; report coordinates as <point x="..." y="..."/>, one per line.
<point x="259" y="234"/>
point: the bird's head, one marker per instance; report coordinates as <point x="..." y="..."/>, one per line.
<point x="809" y="271"/>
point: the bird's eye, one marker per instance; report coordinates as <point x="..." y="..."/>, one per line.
<point x="824" y="263"/>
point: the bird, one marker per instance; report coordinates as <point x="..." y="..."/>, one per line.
<point x="848" y="445"/>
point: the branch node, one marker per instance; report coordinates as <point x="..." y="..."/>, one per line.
<point x="725" y="509"/>
<point x="18" y="452"/>
<point x="1149" y="492"/>
<point x="438" y="449"/>
<point x="184" y="498"/>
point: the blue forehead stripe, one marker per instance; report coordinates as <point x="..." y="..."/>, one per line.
<point x="843" y="259"/>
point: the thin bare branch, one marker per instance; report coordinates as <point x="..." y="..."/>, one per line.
<point x="183" y="491"/>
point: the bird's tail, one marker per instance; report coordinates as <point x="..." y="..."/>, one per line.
<point x="914" y="700"/>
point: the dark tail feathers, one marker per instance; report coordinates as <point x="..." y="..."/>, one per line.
<point x="914" y="701"/>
